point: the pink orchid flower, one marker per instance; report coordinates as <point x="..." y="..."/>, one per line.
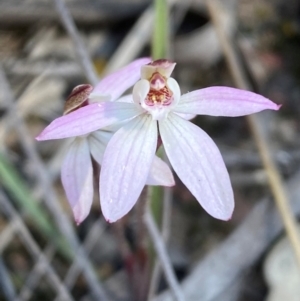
<point x="158" y="108"/>
<point x="192" y="153"/>
<point x="77" y="169"/>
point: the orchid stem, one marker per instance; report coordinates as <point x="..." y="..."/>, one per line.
<point x="255" y="123"/>
<point x="161" y="251"/>
<point x="165" y="233"/>
<point x="161" y="30"/>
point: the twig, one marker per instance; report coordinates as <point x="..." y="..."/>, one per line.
<point x="82" y="54"/>
<point x="7" y="122"/>
<point x="33" y="279"/>
<point x="94" y="234"/>
<point x="6" y="235"/>
<point x="257" y="130"/>
<point x="163" y="255"/>
<point x="23" y="67"/>
<point x="52" y="201"/>
<point x="135" y="40"/>
<point x="6" y="284"/>
<point x="33" y="247"/>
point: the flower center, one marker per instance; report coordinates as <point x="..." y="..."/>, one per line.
<point x="159" y="93"/>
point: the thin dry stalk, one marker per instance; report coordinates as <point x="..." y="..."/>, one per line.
<point x="134" y="42"/>
<point x="33" y="279"/>
<point x="82" y="54"/>
<point x="6" y="235"/>
<point x="162" y="253"/>
<point x="137" y="38"/>
<point x="94" y="234"/>
<point x="257" y="130"/>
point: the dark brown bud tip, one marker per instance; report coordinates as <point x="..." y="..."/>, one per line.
<point x="77" y="97"/>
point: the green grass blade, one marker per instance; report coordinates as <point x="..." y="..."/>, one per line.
<point x="11" y="180"/>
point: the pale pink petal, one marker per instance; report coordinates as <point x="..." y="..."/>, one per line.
<point x="97" y="142"/>
<point x="223" y="101"/>
<point x="199" y="164"/>
<point x="88" y="119"/>
<point x="77" y="178"/>
<point x="160" y="174"/>
<point x="118" y="82"/>
<point x="126" y="165"/>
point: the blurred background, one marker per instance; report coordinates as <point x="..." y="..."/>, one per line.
<point x="44" y="255"/>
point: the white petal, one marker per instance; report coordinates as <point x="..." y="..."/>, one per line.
<point x="140" y="91"/>
<point x="160" y="174"/>
<point x="97" y="142"/>
<point x="77" y="178"/>
<point x="199" y="164"/>
<point x="174" y="87"/>
<point x="126" y="165"/>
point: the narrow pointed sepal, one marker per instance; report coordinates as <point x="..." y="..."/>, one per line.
<point x="126" y="165"/>
<point x="77" y="178"/>
<point x="199" y="164"/>
<point x="89" y="119"/>
<point x="223" y="101"/>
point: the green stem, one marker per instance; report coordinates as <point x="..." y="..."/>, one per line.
<point x="161" y="30"/>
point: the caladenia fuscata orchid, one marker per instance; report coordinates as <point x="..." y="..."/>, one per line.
<point x="158" y="110"/>
<point x="77" y="167"/>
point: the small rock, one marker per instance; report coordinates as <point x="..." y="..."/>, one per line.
<point x="282" y="273"/>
